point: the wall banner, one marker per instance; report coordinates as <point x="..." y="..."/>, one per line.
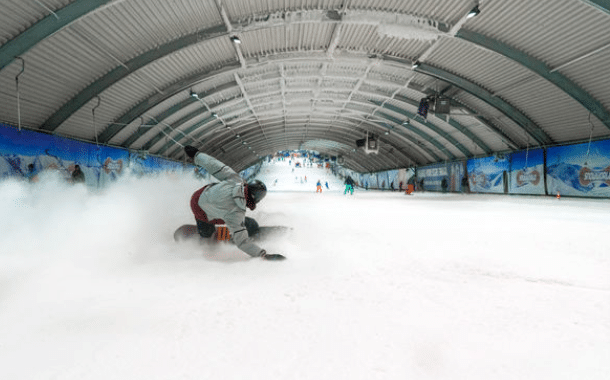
<point x="382" y="180"/>
<point x="579" y="170"/>
<point x="443" y="177"/>
<point x="25" y="154"/>
<point x="486" y="175"/>
<point x="527" y="172"/>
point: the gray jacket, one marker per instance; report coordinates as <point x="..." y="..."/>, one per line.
<point x="226" y="200"/>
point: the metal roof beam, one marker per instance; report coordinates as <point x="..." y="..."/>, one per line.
<point x="131" y="115"/>
<point x="296" y="134"/>
<point x="245" y="95"/>
<point x="430" y="125"/>
<point x="278" y="143"/>
<point x="512" y="112"/>
<point x="195" y="114"/>
<point x="602" y="5"/>
<point x="46" y="27"/>
<point x="419" y="132"/>
<point x="453" y="123"/>
<point x="346" y="116"/>
<point x="173" y="127"/>
<point x="540" y="68"/>
<point x="149" y="103"/>
<point x="120" y="72"/>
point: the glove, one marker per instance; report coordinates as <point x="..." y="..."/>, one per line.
<point x="190" y="151"/>
<point x="271" y="257"/>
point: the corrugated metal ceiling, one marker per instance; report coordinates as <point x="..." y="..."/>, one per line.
<point x="307" y="73"/>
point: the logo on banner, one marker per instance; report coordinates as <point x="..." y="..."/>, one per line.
<point x="524" y="178"/>
<point x="113" y="166"/>
<point x="588" y="176"/>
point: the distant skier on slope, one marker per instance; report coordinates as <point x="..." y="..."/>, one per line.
<point x="225" y="202"/>
<point x="349" y="185"/>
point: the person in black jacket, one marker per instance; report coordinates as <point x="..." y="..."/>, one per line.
<point x="349" y="185"/>
<point x="77" y="175"/>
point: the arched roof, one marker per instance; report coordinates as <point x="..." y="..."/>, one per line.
<point x="309" y="74"/>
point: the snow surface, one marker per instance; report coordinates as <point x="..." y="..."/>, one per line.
<point x="377" y="285"/>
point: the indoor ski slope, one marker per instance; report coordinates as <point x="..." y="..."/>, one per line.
<point x="377" y="285"/>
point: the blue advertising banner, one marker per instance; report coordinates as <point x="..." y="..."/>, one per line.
<point x="486" y="175"/>
<point x="430" y="178"/>
<point x="366" y="181"/>
<point x="26" y="154"/>
<point x="443" y="177"/>
<point x="579" y="170"/>
<point x="382" y="180"/>
<point x="527" y="172"/>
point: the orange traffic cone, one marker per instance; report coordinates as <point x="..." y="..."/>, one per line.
<point x="558" y="195"/>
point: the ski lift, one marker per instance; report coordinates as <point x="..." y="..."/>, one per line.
<point x="372" y="144"/>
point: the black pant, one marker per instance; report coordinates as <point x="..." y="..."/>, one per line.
<point x="206" y="229"/>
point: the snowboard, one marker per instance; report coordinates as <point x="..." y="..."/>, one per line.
<point x="188" y="232"/>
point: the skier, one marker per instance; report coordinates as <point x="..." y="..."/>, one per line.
<point x="319" y="187"/>
<point x="225" y="202"/>
<point x="326" y="183"/>
<point x="349" y="185"/>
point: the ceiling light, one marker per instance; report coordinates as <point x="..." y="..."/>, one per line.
<point x="214" y="114"/>
<point x="194" y="94"/>
<point x="235" y="39"/>
<point x="415" y="65"/>
<point x="406" y="122"/>
<point x="238" y="136"/>
<point x="243" y="143"/>
<point x="474" y="12"/>
<point x="387" y="133"/>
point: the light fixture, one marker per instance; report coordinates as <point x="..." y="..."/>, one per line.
<point x="416" y="64"/>
<point x="194" y="94"/>
<point x="238" y="136"/>
<point x="243" y="143"/>
<point x="235" y="39"/>
<point x="214" y="114"/>
<point x="387" y="133"/>
<point x="406" y="122"/>
<point x="473" y="12"/>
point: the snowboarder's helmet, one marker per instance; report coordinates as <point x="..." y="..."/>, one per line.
<point x="257" y="190"/>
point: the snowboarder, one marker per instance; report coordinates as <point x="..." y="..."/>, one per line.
<point x="319" y="187"/>
<point x="225" y="202"/>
